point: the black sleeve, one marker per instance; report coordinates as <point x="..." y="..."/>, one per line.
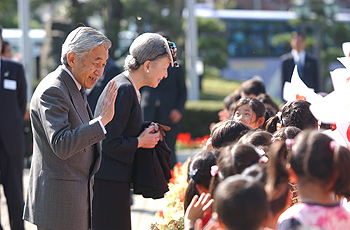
<point x="289" y="224"/>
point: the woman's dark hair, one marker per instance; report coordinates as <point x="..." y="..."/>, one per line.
<point x="285" y="133"/>
<point x="227" y="132"/>
<point x="316" y="157"/>
<point x="199" y="172"/>
<point x="257" y="106"/>
<point x="295" y="113"/>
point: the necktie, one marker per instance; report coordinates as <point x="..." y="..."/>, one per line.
<point x="300" y="67"/>
<point x="83" y="94"/>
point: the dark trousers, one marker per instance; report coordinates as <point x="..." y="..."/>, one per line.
<point x="170" y="139"/>
<point x="11" y="173"/>
<point x="111" y="205"/>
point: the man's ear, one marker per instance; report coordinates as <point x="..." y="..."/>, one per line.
<point x="71" y="59"/>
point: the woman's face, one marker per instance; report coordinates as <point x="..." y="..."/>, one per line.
<point x="158" y="69"/>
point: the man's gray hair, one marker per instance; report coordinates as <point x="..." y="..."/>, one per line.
<point x="82" y="41"/>
<point x="147" y="46"/>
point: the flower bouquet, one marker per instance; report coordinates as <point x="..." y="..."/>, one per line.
<point x="172" y="216"/>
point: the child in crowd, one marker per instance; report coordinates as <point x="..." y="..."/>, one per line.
<point x="322" y="169"/>
<point x="196" y="195"/>
<point x="226" y="133"/>
<point x="250" y="111"/>
<point x="294" y="113"/>
<point x="240" y="203"/>
<point x="229" y="102"/>
<point x="231" y="161"/>
<point x="285" y="133"/>
<point x="270" y="105"/>
<point x="252" y="88"/>
<point x="199" y="176"/>
<point x="261" y="139"/>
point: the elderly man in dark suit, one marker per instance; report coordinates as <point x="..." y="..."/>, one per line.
<point x="306" y="64"/>
<point x="66" y="151"/>
<point x="13" y="94"/>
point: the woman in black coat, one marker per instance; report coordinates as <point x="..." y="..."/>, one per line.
<point x="147" y="64"/>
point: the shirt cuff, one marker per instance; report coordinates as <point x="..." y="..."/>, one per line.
<point x="99" y="121"/>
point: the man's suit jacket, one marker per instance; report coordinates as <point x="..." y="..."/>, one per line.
<point x="13" y="101"/>
<point x="120" y="145"/>
<point x="66" y="155"/>
<point x="310" y="71"/>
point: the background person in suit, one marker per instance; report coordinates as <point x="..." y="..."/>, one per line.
<point x="111" y="70"/>
<point x="66" y="151"/>
<point x="6" y="50"/>
<point x="307" y="64"/>
<point x="165" y="105"/>
<point x="13" y="94"/>
<point x="147" y="64"/>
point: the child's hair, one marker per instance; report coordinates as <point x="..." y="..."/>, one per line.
<point x="259" y="138"/>
<point x="285" y="133"/>
<point x="199" y="172"/>
<point x="270" y="105"/>
<point x="227" y="132"/>
<point x="233" y="160"/>
<point x="241" y="203"/>
<point x="258" y="171"/>
<point x="316" y="157"/>
<point x="253" y="86"/>
<point x="257" y="106"/>
<point x="277" y="181"/>
<point x="232" y="98"/>
<point x="295" y="113"/>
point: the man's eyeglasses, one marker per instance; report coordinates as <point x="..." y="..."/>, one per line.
<point x="173" y="51"/>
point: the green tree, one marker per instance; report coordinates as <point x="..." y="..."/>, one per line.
<point x="212" y="43"/>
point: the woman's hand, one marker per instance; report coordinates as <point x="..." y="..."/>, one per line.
<point x="149" y="138"/>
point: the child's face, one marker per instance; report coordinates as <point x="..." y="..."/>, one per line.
<point x="246" y="115"/>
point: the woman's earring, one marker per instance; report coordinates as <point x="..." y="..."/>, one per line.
<point x="147" y="71"/>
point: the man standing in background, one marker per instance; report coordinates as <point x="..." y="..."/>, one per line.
<point x="13" y="95"/>
<point x="306" y="64"/>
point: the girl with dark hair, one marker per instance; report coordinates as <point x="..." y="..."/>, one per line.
<point x="322" y="170"/>
<point x="199" y="177"/>
<point x="250" y="111"/>
<point x="227" y="133"/>
<point x="295" y="113"/>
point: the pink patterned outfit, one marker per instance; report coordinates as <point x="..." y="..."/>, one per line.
<point x="326" y="217"/>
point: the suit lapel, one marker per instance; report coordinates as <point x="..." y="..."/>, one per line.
<point x="75" y="97"/>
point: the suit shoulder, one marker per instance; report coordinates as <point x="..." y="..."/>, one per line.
<point x="10" y="62"/>
<point x="311" y="56"/>
<point x="286" y="56"/>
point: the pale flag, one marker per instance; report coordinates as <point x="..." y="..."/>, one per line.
<point x="346" y="59"/>
<point x="297" y="90"/>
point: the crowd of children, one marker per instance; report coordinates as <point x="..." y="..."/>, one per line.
<point x="266" y="167"/>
